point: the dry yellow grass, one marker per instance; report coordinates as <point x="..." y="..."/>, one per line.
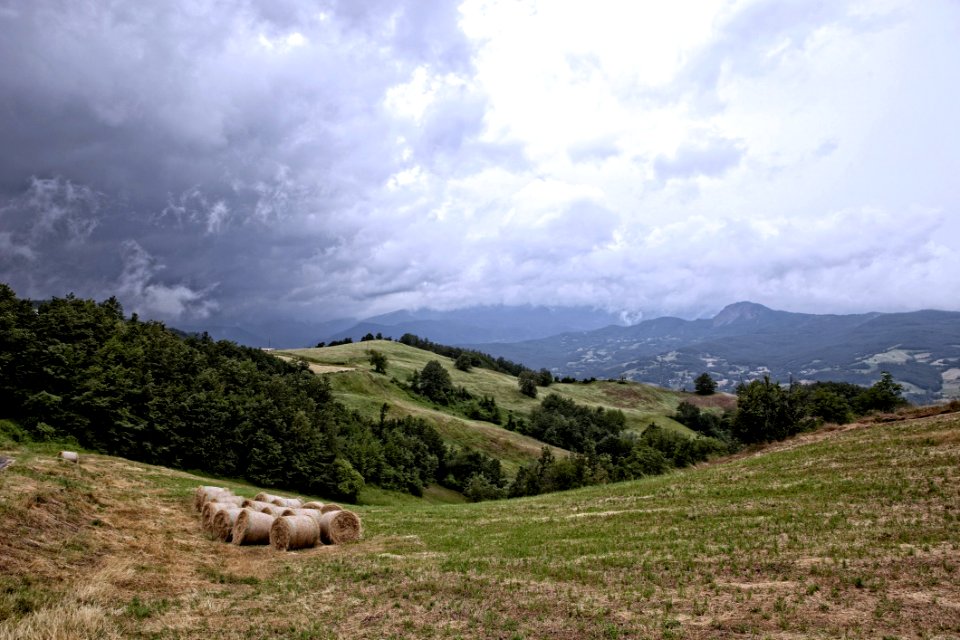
<point x="844" y="533"/>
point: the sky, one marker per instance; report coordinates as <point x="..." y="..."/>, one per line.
<point x="211" y="161"/>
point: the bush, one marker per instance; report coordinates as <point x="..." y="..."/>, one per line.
<point x="527" y="383"/>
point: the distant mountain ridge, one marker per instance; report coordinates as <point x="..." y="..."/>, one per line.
<point x="490" y="323"/>
<point x="746" y="340"/>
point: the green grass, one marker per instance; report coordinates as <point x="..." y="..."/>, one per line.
<point x="365" y="391"/>
<point x="849" y="533"/>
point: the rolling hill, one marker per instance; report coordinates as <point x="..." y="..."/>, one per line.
<point x="849" y="533"/>
<point x="746" y="341"/>
<point x="357" y="386"/>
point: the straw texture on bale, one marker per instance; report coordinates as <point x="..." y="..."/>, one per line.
<point x="294" y="532"/>
<point x="210" y="511"/>
<point x="256" y="505"/>
<point x="273" y="510"/>
<point x="236" y="501"/>
<point x="252" y="527"/>
<point x="337" y="527"/>
<point x="313" y="505"/>
<point x="263" y="496"/>
<point x="291" y="503"/>
<point x="200" y="496"/>
<point x="223" y="523"/>
<point x="310" y="513"/>
<point x="327" y="508"/>
<point x="70" y="456"/>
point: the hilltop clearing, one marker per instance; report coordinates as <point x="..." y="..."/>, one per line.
<point x="359" y="387"/>
<point x="846" y="533"/>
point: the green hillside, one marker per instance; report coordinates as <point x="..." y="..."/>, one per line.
<point x="850" y="532"/>
<point x="359" y="387"/>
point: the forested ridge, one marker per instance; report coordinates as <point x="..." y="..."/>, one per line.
<point x="74" y="369"/>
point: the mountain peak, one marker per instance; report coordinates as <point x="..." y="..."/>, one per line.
<point x="740" y="312"/>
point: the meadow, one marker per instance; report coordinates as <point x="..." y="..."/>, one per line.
<point x="844" y="532"/>
<point x="357" y="386"/>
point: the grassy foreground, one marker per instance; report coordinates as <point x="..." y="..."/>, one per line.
<point x="853" y="532"/>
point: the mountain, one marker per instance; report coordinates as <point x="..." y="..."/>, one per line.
<point x="274" y="333"/>
<point x="747" y="341"/>
<point x="492" y="323"/>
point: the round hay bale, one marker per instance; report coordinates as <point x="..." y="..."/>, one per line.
<point x="200" y="495"/>
<point x="313" y="505"/>
<point x="294" y="532"/>
<point x="310" y="513"/>
<point x="327" y="508"/>
<point x="210" y="510"/>
<point x="337" y="527"/>
<point x="70" y="456"/>
<point x="229" y="499"/>
<point x="256" y="505"/>
<point x="265" y="497"/>
<point x="273" y="510"/>
<point x="291" y="503"/>
<point x="252" y="527"/>
<point x="313" y="513"/>
<point x="223" y="523"/>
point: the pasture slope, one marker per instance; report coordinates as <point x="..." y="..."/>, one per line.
<point x="356" y="385"/>
<point x="852" y="533"/>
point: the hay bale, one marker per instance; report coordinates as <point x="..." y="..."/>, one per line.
<point x="256" y="505"/>
<point x="288" y="503"/>
<point x="338" y="527"/>
<point x="273" y="510"/>
<point x="310" y="513"/>
<point x="313" y="505"/>
<point x="223" y="523"/>
<point x="200" y="495"/>
<point x="327" y="508"/>
<point x="210" y="510"/>
<point x="252" y="527"/>
<point x="294" y="532"/>
<point x="265" y="497"/>
<point x="207" y="498"/>
<point x="236" y="501"/>
<point x="70" y="456"/>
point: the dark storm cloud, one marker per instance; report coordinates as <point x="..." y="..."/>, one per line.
<point x="203" y="150"/>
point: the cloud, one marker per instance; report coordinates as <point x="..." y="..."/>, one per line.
<point x="283" y="159"/>
<point x="710" y="159"/>
<point x="138" y="287"/>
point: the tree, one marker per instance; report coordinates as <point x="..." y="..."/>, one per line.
<point x="705" y="385"/>
<point x="544" y="377"/>
<point x="527" y="382"/>
<point x="884" y="395"/>
<point x="435" y="383"/>
<point x="463" y="362"/>
<point x="767" y="412"/>
<point x="378" y="360"/>
<point x="830" y="406"/>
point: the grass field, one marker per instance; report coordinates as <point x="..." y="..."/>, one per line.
<point x="853" y="532"/>
<point x="357" y="386"/>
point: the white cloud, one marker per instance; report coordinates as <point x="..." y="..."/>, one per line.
<point x="646" y="157"/>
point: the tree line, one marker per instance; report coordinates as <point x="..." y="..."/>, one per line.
<point x="768" y="411"/>
<point x="80" y="371"/>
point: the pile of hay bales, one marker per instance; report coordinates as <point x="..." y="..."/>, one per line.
<point x="284" y="523"/>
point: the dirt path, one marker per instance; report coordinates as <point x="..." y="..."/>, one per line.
<point x="320" y="368"/>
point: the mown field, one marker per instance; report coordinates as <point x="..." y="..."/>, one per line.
<point x="851" y="532"/>
<point x="357" y="386"/>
